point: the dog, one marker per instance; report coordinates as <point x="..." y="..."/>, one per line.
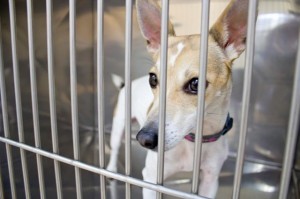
<point x="227" y="38"/>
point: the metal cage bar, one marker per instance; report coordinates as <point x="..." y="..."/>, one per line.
<point x="128" y="50"/>
<point x="6" y="122"/>
<point x="292" y="133"/>
<point x="162" y="92"/>
<point x="1" y="185"/>
<point x="100" y="96"/>
<point x="52" y="98"/>
<point x="35" y="109"/>
<point x="74" y="104"/>
<point x="252" y="10"/>
<point x="201" y="93"/>
<point x="18" y="95"/>
<point x="104" y="172"/>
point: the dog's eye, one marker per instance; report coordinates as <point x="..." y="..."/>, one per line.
<point x="192" y="86"/>
<point x="153" y="80"/>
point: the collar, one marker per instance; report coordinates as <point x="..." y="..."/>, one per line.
<point x="212" y="138"/>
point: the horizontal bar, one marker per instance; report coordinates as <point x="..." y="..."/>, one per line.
<point x="100" y="94"/>
<point x="293" y="129"/>
<point x="128" y="50"/>
<point x="201" y="93"/>
<point x="18" y="94"/>
<point x="6" y="122"/>
<point x="108" y="174"/>
<point x="52" y="98"/>
<point x="252" y="13"/>
<point x="74" y="104"/>
<point x="35" y="109"/>
<point x="162" y="93"/>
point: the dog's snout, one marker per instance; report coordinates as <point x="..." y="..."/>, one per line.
<point x="147" y="137"/>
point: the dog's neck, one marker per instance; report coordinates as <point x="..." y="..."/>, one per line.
<point x="215" y="114"/>
<point x="214" y="137"/>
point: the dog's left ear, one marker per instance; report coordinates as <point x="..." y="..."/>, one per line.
<point x="230" y="30"/>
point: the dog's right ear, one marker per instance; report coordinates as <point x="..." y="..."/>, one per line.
<point x="149" y="19"/>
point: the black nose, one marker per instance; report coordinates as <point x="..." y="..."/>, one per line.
<point x="147" y="137"/>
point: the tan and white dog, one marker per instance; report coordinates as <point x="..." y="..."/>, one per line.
<point x="225" y="43"/>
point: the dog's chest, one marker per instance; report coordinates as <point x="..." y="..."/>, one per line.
<point x="182" y="154"/>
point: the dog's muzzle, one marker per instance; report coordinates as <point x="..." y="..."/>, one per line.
<point x="147" y="137"/>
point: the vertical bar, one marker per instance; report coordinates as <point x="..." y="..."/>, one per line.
<point x="35" y="109"/>
<point x="201" y="93"/>
<point x="1" y="186"/>
<point x="128" y="50"/>
<point x="18" y="95"/>
<point x="162" y="93"/>
<point x="246" y="97"/>
<point x="296" y="184"/>
<point x="6" y="122"/>
<point x="52" y="98"/>
<point x="293" y="129"/>
<point x="74" y="104"/>
<point x="100" y="94"/>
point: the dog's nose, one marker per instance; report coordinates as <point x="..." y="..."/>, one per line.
<point x="147" y="137"/>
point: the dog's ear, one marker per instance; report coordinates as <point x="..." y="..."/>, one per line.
<point x="230" y="30"/>
<point x="149" y="19"/>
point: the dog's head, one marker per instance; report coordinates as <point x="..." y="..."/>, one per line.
<point x="225" y="43"/>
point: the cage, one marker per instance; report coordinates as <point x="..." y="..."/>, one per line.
<point x="56" y="61"/>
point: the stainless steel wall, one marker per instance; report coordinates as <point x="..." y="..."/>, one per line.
<point x="274" y="64"/>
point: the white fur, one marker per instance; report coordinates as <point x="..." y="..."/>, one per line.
<point x="157" y="64"/>
<point x="231" y="52"/>
<point x="173" y="58"/>
<point x="117" y="80"/>
<point x="218" y="94"/>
